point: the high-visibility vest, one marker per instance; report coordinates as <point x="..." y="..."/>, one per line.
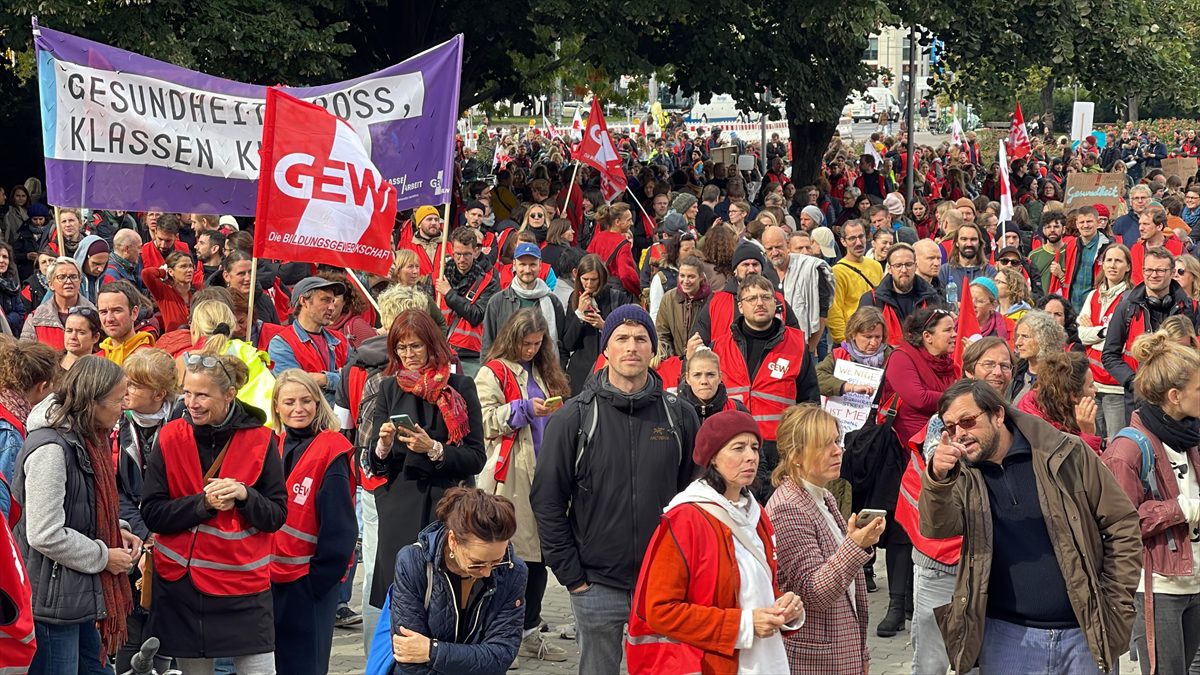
<point x="17" y="644"/>
<point x="512" y="392"/>
<point x="356" y="382"/>
<point x="721" y="314"/>
<point x="308" y="357"/>
<point x="945" y="551"/>
<point x="225" y="556"/>
<point x="1137" y="326"/>
<point x="296" y="542"/>
<point x="774" y="387"/>
<point x="461" y="333"/>
<point x="1100" y="318"/>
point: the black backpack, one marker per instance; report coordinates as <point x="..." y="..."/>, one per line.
<point x="873" y="461"/>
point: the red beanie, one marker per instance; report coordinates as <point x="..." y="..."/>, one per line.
<point x="718" y="430"/>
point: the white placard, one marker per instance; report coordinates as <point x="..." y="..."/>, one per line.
<point x="1081" y="119"/>
<point x="852" y="410"/>
<point x="856" y="373"/>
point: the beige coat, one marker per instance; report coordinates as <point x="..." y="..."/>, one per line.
<point x="522" y="461"/>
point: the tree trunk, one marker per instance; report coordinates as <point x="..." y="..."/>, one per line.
<point x="810" y="140"/>
<point x="1131" y="113"/>
<point x="1048" y="105"/>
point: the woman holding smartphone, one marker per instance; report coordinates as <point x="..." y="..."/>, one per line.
<point x="594" y="298"/>
<point x="520" y="385"/>
<point x="429" y="438"/>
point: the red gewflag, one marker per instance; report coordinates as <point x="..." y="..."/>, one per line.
<point x="1018" y="136"/>
<point x="597" y="151"/>
<point x="968" y="326"/>
<point x="320" y="199"/>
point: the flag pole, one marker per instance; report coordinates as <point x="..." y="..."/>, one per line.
<point x="567" y="199"/>
<point x="250" y="300"/>
<point x="441" y="259"/>
<point x="359" y="285"/>
<point x="58" y="231"/>
<point x="639" y="204"/>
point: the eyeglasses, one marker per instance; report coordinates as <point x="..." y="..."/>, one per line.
<point x="1009" y="261"/>
<point x="966" y="424"/>
<point x="66" y="277"/>
<point x="1156" y="271"/>
<point x="758" y="299"/>
<point x="206" y="361"/>
<point x="902" y="266"/>
<point x="989" y="366"/>
<point x="413" y="348"/>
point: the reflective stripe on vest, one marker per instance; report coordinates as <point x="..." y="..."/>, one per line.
<point x="224" y="556"/>
<point x="1095" y="356"/>
<point x="774" y="387"/>
<point x="462" y="334"/>
<point x="944" y="551"/>
<point x="296" y="542"/>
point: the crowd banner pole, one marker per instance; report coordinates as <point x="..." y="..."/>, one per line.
<point x="359" y="284"/>
<point x="441" y="261"/>
<point x="639" y="204"/>
<point x="250" y="300"/>
<point x="567" y="200"/>
<point x="58" y="232"/>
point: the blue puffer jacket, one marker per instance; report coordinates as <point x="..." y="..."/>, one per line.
<point x="495" y="633"/>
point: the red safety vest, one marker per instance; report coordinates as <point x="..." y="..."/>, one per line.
<point x="1138" y="253"/>
<point x="944" y="551"/>
<point x="1099" y="373"/>
<point x="17" y="644"/>
<point x="296" y="542"/>
<point x="774" y="387"/>
<point x="462" y="334"/>
<point x="51" y="335"/>
<point x="308" y="357"/>
<point x="225" y="556"/>
<point x="428" y="265"/>
<point x="1137" y="326"/>
<point x="1066" y="259"/>
<point x="720" y="310"/>
<point x="357" y="381"/>
<point x="512" y="392"/>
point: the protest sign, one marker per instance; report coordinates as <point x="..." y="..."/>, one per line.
<point x="1184" y="167"/>
<point x="123" y="131"/>
<point x="851" y="410"/>
<point x="1089" y="189"/>
<point x="320" y="199"/>
<point x="1081" y="119"/>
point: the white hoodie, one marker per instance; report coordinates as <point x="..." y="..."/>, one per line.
<point x="755" y="655"/>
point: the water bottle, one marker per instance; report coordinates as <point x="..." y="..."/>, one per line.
<point x="952" y="294"/>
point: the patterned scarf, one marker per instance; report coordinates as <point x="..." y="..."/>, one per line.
<point x="430" y="384"/>
<point x="118" y="598"/>
<point x="13" y="401"/>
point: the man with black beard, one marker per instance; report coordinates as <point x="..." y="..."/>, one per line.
<point x="901" y="292"/>
<point x="1051" y="252"/>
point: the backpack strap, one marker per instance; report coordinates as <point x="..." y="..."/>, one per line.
<point x="588" y="419"/>
<point x="859" y="273"/>
<point x="1146" y="471"/>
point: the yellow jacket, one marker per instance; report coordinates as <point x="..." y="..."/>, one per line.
<point x="848" y="289"/>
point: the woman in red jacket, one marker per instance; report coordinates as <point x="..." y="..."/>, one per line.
<point x="706" y="600"/>
<point x="1065" y="396"/>
<point x="171" y="288"/>
<point x="614" y="247"/>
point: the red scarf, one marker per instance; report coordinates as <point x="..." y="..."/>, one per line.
<point x="430" y="384"/>
<point x="118" y="598"/>
<point x="937" y="373"/>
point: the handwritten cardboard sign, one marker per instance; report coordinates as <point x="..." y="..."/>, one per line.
<point x="1184" y="167"/>
<point x="851" y="410"/>
<point x="1089" y="189"/>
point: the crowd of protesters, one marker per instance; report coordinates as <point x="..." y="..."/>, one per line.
<point x="628" y="396"/>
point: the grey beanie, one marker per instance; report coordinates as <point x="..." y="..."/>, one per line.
<point x="683" y="201"/>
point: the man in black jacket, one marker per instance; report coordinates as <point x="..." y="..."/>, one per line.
<point x="610" y="461"/>
<point x="1142" y="311"/>
<point x="901" y="292"/>
<point x="465" y="287"/>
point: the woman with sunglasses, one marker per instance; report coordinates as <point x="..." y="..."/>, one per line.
<point x="313" y="548"/>
<point x="456" y="605"/>
<point x="213" y="496"/>
<point x="45" y="324"/>
<point x="82" y="334"/>
<point x="536" y="221"/>
<point x="520" y="376"/>
<point x="1097" y="310"/>
<point x="429" y="438"/>
<point x="1187" y="273"/>
<point x="918" y="372"/>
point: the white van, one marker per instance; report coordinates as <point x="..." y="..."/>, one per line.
<point x="860" y="109"/>
<point x="721" y="108"/>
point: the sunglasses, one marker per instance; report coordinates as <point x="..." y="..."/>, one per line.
<point x="966" y="424"/>
<point x="82" y="311"/>
<point x="936" y="316"/>
<point x="1010" y="261"/>
<point x="207" y="361"/>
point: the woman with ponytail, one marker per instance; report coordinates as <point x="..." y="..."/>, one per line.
<point x="1166" y="424"/>
<point x="614" y="246"/>
<point x="1065" y="396"/>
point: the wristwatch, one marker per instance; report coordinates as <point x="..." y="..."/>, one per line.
<point x="433" y="647"/>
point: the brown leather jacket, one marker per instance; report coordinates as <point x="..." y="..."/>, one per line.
<point x="1092" y="524"/>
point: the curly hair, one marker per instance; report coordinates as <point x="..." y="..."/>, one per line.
<point x="1061" y="377"/>
<point x="1018" y="289"/>
<point x="1051" y="338"/>
<point x="718" y="247"/>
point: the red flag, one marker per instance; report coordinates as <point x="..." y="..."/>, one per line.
<point x="1018" y="136"/>
<point x="642" y="128"/>
<point x="597" y="151"/>
<point x="320" y="199"/>
<point x="968" y="326"/>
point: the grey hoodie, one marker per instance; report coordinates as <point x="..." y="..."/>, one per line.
<point x="89" y="286"/>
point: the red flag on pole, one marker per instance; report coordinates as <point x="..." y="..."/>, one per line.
<point x="597" y="151"/>
<point x="1018" y="136"/>
<point x="968" y="326"/>
<point x="320" y="199"/>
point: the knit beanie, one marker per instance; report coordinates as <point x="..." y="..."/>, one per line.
<point x="894" y="204"/>
<point x="718" y="430"/>
<point x="814" y="213"/>
<point x="628" y="314"/>
<point x="748" y="251"/>
<point x="422" y="213"/>
<point x="683" y="201"/>
<point x="97" y="247"/>
<point x="987" y="285"/>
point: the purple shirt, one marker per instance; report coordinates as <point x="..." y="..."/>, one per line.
<point x="521" y="412"/>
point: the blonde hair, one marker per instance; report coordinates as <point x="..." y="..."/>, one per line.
<point x="323" y="420"/>
<point x="803" y="432"/>
<point x="398" y="299"/>
<point x="1163" y="364"/>
<point x="404" y="256"/>
<point x="153" y="369"/>
<point x="1179" y="327"/>
<point x="1192" y="265"/>
<point x="213" y="319"/>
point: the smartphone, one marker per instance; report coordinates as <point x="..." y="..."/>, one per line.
<point x="865" y="516"/>
<point x="403" y="421"/>
<point x="554" y="402"/>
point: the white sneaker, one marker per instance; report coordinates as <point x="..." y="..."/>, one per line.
<point x="536" y="647"/>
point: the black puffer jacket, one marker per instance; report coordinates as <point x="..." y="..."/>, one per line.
<point x="595" y="513"/>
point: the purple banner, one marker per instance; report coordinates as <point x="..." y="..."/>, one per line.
<point x="122" y="131"/>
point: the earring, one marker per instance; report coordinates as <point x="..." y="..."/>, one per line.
<point x="452" y="555"/>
